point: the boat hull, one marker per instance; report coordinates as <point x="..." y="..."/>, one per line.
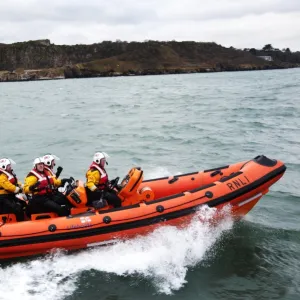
<point x="239" y="187"/>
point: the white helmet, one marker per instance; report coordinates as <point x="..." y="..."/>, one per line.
<point x="4" y="162"/>
<point x="49" y="158"/>
<point x="38" y="160"/>
<point x="99" y="156"/>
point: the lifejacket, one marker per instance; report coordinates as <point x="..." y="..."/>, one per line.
<point x="49" y="170"/>
<point x="104" y="177"/>
<point x="46" y="182"/>
<point x="10" y="176"/>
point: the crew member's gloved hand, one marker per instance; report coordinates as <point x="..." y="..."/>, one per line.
<point x="112" y="182"/>
<point x="34" y="186"/>
<point x="58" y="171"/>
<point x="64" y="180"/>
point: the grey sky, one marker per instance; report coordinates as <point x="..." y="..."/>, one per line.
<point x="238" y="23"/>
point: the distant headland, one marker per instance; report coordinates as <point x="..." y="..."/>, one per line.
<point x="41" y="60"/>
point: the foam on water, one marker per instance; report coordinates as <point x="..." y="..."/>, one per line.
<point x="163" y="257"/>
<point x="158" y="172"/>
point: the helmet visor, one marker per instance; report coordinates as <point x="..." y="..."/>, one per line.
<point x="102" y="162"/>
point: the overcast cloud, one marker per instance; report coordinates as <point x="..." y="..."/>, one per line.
<point x="238" y="23"/>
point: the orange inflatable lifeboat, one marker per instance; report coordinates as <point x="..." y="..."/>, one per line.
<point x="146" y="204"/>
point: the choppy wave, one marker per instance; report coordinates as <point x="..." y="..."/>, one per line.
<point x="167" y="125"/>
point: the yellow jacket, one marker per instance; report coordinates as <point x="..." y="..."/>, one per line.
<point x="92" y="179"/>
<point x="6" y="187"/>
<point x="31" y="180"/>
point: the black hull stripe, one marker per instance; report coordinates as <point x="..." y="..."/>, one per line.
<point x="186" y="174"/>
<point x="226" y="178"/>
<point x="144" y="222"/>
<point x="204" y="187"/>
<point x="215" y="169"/>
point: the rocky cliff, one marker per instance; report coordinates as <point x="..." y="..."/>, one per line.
<point x="42" y="60"/>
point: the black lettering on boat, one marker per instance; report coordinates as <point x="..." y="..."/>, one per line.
<point x="230" y="186"/>
<point x="242" y="182"/>
<point x="236" y="183"/>
<point x="247" y="178"/>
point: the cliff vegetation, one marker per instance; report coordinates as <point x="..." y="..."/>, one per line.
<point x="40" y="59"/>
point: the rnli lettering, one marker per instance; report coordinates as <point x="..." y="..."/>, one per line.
<point x="238" y="183"/>
<point x="76" y="226"/>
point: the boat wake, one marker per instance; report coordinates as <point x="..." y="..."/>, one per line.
<point x="162" y="257"/>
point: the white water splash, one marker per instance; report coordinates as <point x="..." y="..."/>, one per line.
<point x="159" y="172"/>
<point x="163" y="257"/>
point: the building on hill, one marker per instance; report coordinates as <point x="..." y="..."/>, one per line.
<point x="265" y="57"/>
<point x="44" y="42"/>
